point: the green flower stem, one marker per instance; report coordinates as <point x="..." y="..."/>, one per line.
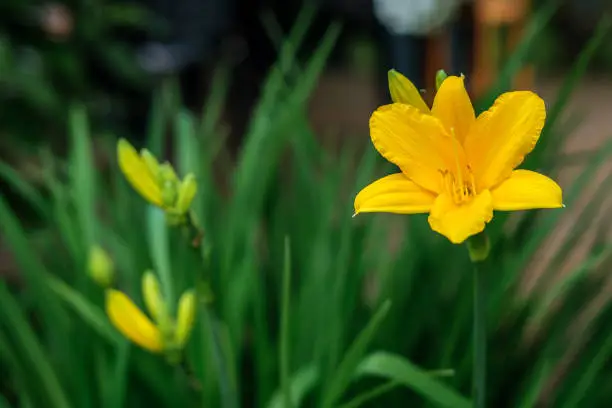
<point x="478" y="247"/>
<point x="480" y="338"/>
<point x="205" y="295"/>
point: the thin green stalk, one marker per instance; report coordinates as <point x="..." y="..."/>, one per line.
<point x="284" y="346"/>
<point x="226" y="386"/>
<point x="480" y="338"/>
<point x="479" y="248"/>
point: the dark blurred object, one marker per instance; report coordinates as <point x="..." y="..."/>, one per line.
<point x="583" y="15"/>
<point x="58" y="52"/>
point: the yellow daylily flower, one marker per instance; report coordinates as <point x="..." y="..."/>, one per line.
<point x="454" y="166"/>
<point x="160" y="334"/>
<point x="155" y="182"/>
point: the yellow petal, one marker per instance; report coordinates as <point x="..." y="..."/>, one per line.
<point x="131" y="322"/>
<point x="526" y="190"/>
<point x="417" y="143"/>
<point x="185" y="317"/>
<point x="137" y="173"/>
<point x="459" y="222"/>
<point x="404" y="91"/>
<point x="394" y="194"/>
<point x="503" y="135"/>
<point x="453" y="107"/>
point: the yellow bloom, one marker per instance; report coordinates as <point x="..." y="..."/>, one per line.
<point x="454" y="166"/>
<point x="155" y="182"/>
<point x="161" y="334"/>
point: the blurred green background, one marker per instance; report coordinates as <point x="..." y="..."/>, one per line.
<point x="309" y="303"/>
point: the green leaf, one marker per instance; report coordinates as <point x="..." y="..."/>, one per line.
<point x="83" y="173"/>
<point x="371" y="394"/>
<point x="342" y="376"/>
<point x="33" y="269"/>
<point x="284" y="328"/>
<point x="24" y="189"/>
<point x="301" y="383"/>
<point x="31" y="351"/>
<point x="87" y="311"/>
<point x="397" y="368"/>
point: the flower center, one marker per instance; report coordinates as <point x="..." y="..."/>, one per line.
<point x="460" y="187"/>
<point x="459" y="182"/>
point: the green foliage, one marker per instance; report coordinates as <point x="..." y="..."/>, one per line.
<point x="371" y="311"/>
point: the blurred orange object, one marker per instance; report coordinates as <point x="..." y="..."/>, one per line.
<point x="496" y="12"/>
<point x="490" y="49"/>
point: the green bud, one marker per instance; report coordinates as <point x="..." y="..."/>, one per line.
<point x="479" y="247"/>
<point x="441" y="75"/>
<point x="186" y="193"/>
<point x="100" y="267"/>
<point x="404" y="91"/>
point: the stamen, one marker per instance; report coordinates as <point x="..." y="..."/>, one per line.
<point x="457" y="164"/>
<point x="472" y="181"/>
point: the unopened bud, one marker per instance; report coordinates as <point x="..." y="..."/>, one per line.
<point x="479" y="247"/>
<point x="154" y="301"/>
<point x="166" y="173"/>
<point x="101" y="267"/>
<point x="403" y="91"/>
<point x="186" y="193"/>
<point x="151" y="163"/>
<point x="441" y="75"/>
<point x="185" y="317"/>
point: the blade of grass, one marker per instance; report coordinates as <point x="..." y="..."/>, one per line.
<point x="393" y="367"/>
<point x="90" y="313"/>
<point x="285" y="329"/>
<point x="343" y="374"/>
<point x="24" y="189"/>
<point x="32" y="268"/>
<point x="371" y="394"/>
<point x="30" y="349"/>
<point x="83" y="175"/>
<point x="119" y="378"/>
<point x="302" y="382"/>
<point x="537" y="383"/>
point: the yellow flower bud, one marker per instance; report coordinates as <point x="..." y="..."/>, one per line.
<point x="403" y="91"/>
<point x="169" y="193"/>
<point x="100" y="266"/>
<point x="151" y="162"/>
<point x="186" y="193"/>
<point x="131" y="322"/>
<point x="167" y="174"/>
<point x="154" y="301"/>
<point x="186" y="316"/>
<point x="137" y="172"/>
<point x="169" y="183"/>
